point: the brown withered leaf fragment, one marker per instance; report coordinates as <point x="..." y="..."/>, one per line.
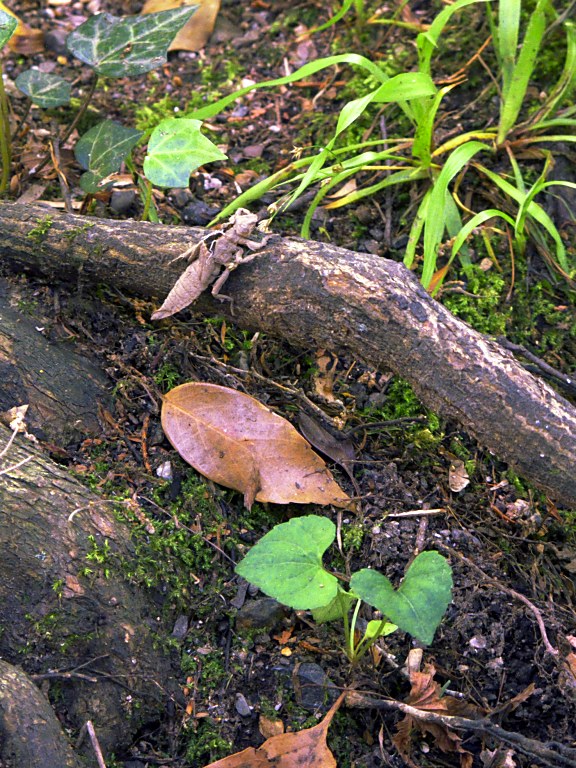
<point x="236" y="441"/>
<point x="288" y="750"/>
<point x="191" y="283"/>
<point x="25" y="40"/>
<point x="426" y="694"/>
<point x="196" y="32"/>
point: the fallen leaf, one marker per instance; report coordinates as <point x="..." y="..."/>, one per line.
<point x="341" y="450"/>
<point x="288" y="750"/>
<point x="458" y="477"/>
<point x="196" y="32"/>
<point x="238" y="442"/>
<point x="25" y="40"/>
<point x="426" y="695"/>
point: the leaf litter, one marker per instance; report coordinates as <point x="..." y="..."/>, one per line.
<point x="237" y="442"/>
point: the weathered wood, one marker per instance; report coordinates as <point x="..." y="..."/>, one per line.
<point x="60" y="610"/>
<point x="30" y="734"/>
<point x="314" y="294"/>
<point x="61" y="387"/>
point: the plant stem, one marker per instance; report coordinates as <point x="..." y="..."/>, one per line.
<point x="5" y="139"/>
<point x="73" y="124"/>
<point x="351" y="648"/>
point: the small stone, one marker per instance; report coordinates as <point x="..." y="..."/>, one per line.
<point x="180" y="627"/>
<point x="180" y="197"/>
<point x="314" y="689"/>
<point x="242" y="706"/>
<point x="122" y="200"/>
<point x="55" y="41"/>
<point x="259" y="614"/>
<point x="198" y="213"/>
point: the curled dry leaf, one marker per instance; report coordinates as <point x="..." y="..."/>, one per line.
<point x="196" y="32"/>
<point x="288" y="750"/>
<point x="238" y="442"/>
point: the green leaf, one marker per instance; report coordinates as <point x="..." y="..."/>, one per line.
<point x="102" y="151"/>
<point x="7" y="26"/>
<point x="176" y="148"/>
<point x="419" y="604"/>
<point x="333" y="611"/>
<point x="376" y="629"/>
<point x="127" y="47"/>
<point x="46" y="90"/>
<point x="287" y="563"/>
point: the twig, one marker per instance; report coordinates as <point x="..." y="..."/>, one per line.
<point x="539" y="620"/>
<point x="551" y="753"/>
<point x="566" y="381"/>
<point x="88" y="728"/>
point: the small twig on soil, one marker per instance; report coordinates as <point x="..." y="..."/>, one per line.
<point x="489" y="580"/>
<point x="550" y="753"/>
<point x="88" y="728"/>
<point x="567" y="382"/>
<point x="417" y="513"/>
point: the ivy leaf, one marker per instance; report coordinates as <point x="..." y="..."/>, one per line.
<point x="127" y="47"/>
<point x="176" y="148"/>
<point x="7" y="26"/>
<point x="287" y="563"/>
<point x="102" y="150"/>
<point x="44" y="89"/>
<point x="333" y="611"/>
<point x="420" y="602"/>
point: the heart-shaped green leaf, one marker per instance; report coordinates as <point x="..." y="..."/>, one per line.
<point x="176" y="148"/>
<point x="102" y="150"/>
<point x="335" y="608"/>
<point x="419" y="604"/>
<point x="127" y="47"/>
<point x="7" y="26"/>
<point x="44" y="89"/>
<point x="287" y="563"/>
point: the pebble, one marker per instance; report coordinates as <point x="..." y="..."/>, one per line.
<point x="242" y="706"/>
<point x="259" y="614"/>
<point x="122" y="200"/>
<point x="314" y="689"/>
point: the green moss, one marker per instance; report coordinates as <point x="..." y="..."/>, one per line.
<point x="352" y="537"/>
<point x="482" y="306"/>
<point x="205" y="745"/>
<point x="43" y="226"/>
<point x="148" y="115"/>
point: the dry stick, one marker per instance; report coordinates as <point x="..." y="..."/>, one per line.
<point x="539" y="620"/>
<point x="551" y="753"/>
<point x="88" y="728"/>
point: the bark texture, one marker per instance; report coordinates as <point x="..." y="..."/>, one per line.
<point x="313" y="294"/>
<point x="92" y="632"/>
<point x="61" y="387"/>
<point x="30" y="734"/>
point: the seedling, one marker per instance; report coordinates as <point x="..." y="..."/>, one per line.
<point x="286" y="564"/>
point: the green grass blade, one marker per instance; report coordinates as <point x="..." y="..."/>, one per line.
<point x="477" y="221"/>
<point x="307" y="70"/>
<point x="436" y="213"/>
<point x="535" y="211"/>
<point x="416" y="230"/>
<point x="513" y="98"/>
<point x="426" y="41"/>
<point x="507" y="42"/>
<point x="567" y="79"/>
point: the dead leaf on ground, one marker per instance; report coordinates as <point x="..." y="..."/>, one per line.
<point x="25" y="40"/>
<point x="196" y="32"/>
<point x="288" y="750"/>
<point x="426" y="695"/>
<point x="238" y="442"/>
<point x="458" y="477"/>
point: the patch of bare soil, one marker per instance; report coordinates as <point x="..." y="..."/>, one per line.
<point x="508" y="642"/>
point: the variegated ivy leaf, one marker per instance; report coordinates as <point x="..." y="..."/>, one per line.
<point x="102" y="150"/>
<point x="127" y="47"/>
<point x="7" y="26"/>
<point x="44" y="89"/>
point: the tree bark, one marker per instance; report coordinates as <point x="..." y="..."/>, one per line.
<point x="30" y="734"/>
<point x="314" y="294"/>
<point x="79" y="623"/>
<point x="61" y="387"/>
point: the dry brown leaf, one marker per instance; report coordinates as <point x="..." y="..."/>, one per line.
<point x="238" y="442"/>
<point x="196" y="32"/>
<point x="288" y="750"/>
<point x="458" y="477"/>
<point x="426" y="694"/>
<point x="25" y="40"/>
